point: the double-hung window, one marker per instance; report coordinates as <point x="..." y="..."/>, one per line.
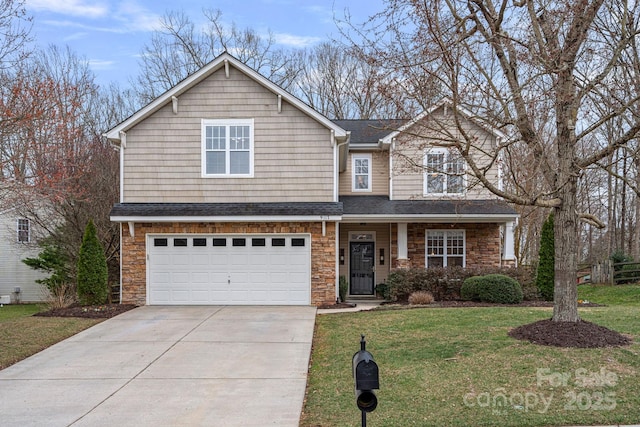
<point x="227" y="148"/>
<point x="443" y="172"/>
<point x="24" y="231"/>
<point x="361" y="166"/>
<point x="445" y="248"/>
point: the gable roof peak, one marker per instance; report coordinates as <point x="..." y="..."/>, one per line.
<point x="224" y="60"/>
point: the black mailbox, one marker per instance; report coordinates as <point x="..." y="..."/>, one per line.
<point x="365" y="374"/>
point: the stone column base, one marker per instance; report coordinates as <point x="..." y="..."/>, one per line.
<point x="402" y="263"/>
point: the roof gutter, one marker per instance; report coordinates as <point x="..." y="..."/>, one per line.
<point x="235" y="218"/>
<point x="430" y="218"/>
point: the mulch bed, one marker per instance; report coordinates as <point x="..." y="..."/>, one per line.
<point x="338" y="305"/>
<point x="580" y="334"/>
<point x="104" y="311"/>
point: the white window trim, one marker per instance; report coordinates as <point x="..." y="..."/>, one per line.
<point x="18" y="230"/>
<point x="354" y="186"/>
<point x="444" y="255"/>
<point x="425" y="187"/>
<point x="203" y="148"/>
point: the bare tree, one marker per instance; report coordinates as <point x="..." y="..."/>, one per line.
<point x="534" y="69"/>
<point x="15" y="27"/>
<point x="341" y="85"/>
<point x="179" y="49"/>
<point x="58" y="169"/>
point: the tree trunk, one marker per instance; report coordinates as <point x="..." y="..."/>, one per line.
<point x="566" y="224"/>
<point x="635" y="249"/>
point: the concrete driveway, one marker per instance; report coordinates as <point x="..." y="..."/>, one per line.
<point x="168" y="366"/>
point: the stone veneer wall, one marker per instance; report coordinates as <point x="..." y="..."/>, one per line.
<point x="323" y="253"/>
<point x="482" y="244"/>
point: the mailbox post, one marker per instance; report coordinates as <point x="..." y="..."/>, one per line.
<point x="365" y="375"/>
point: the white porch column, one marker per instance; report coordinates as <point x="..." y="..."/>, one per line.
<point x="403" y="258"/>
<point x="508" y="251"/>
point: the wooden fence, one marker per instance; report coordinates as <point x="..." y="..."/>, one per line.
<point x="615" y="273"/>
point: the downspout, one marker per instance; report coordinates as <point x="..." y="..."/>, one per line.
<point x="336" y="181"/>
<point x="336" y="199"/>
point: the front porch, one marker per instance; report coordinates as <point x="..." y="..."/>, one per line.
<point x="369" y="251"/>
<point x="377" y="234"/>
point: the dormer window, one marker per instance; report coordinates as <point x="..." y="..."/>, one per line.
<point x="443" y="172"/>
<point x="361" y="167"/>
<point x="227" y="148"/>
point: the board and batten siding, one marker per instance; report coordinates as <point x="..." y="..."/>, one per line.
<point x="379" y="175"/>
<point x="293" y="155"/>
<point x="408" y="179"/>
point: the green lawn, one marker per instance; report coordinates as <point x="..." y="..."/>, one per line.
<point x="22" y="334"/>
<point x="458" y="367"/>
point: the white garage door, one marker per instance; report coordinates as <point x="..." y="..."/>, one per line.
<point x="234" y="269"/>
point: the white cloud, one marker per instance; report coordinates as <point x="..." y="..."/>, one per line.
<point x="296" y="41"/>
<point x="99" y="65"/>
<point x="323" y="13"/>
<point x="135" y="17"/>
<point x="126" y="16"/>
<point x="76" y="36"/>
<point x="84" y="8"/>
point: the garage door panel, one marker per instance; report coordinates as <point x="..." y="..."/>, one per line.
<point x="201" y="260"/>
<point x="200" y="297"/>
<point x="200" y="278"/>
<point x="180" y="260"/>
<point x="219" y="260"/>
<point x="214" y="269"/>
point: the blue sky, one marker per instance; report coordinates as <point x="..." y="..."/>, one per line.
<point x="111" y="33"/>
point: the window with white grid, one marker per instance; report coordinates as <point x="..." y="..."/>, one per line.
<point x="445" y="248"/>
<point x="227" y="148"/>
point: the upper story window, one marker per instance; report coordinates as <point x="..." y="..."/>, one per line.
<point x="24" y="231"/>
<point x="227" y="148"/>
<point x="443" y="172"/>
<point x="361" y="167"/>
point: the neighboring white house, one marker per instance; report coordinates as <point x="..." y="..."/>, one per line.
<point x="17" y="242"/>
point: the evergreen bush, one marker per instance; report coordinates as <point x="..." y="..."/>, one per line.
<point x="445" y="283"/>
<point x="545" y="276"/>
<point x="54" y="261"/>
<point x="493" y="288"/>
<point x="92" y="269"/>
<point x="343" y="287"/>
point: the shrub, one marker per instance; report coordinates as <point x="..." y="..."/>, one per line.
<point x="493" y="288"/>
<point x="343" y="287"/>
<point x="445" y="283"/>
<point x="421" y="298"/>
<point x="92" y="269"/>
<point x="60" y="292"/>
<point x="545" y="276"/>
<point x="382" y="289"/>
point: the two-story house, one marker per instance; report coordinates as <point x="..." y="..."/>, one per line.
<point x="233" y="191"/>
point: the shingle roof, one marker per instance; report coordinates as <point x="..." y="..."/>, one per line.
<point x="381" y="205"/>
<point x="369" y="131"/>
<point x="225" y="209"/>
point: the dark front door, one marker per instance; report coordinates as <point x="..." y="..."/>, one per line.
<point x="362" y="268"/>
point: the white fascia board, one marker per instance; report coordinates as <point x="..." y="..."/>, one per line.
<point x="206" y="71"/>
<point x="430" y="218"/>
<point x="311" y="218"/>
